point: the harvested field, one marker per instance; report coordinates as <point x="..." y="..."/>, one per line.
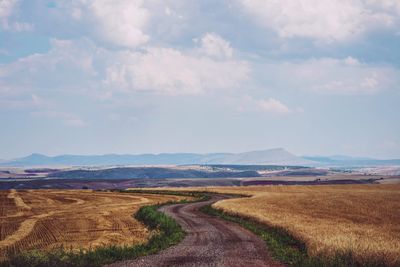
<point x="363" y="219"/>
<point x="46" y="219"/>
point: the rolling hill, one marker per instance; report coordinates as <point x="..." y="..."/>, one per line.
<point x="278" y="156"/>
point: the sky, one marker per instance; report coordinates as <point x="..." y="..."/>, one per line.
<point x="316" y="77"/>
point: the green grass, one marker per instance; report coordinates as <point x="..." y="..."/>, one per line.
<point x="285" y="248"/>
<point x="281" y="244"/>
<point x="198" y="196"/>
<point x="167" y="233"/>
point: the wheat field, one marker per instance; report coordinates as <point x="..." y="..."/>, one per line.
<point x="363" y="219"/>
<point x="77" y="219"/>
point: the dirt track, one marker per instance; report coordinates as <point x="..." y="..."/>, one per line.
<point x="210" y="242"/>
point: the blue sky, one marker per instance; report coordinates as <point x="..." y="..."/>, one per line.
<point x="102" y="76"/>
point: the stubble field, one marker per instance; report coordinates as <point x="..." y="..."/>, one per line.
<point x="77" y="219"/>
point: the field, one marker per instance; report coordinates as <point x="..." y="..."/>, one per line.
<point x="77" y="219"/>
<point x="362" y="219"/>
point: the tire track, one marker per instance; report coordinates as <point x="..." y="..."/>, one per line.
<point x="210" y="242"/>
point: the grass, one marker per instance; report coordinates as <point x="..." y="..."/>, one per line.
<point x="74" y="219"/>
<point x="301" y="225"/>
<point x="289" y="250"/>
<point x="358" y="221"/>
<point x="197" y="195"/>
<point x="167" y="232"/>
<point x="363" y="219"/>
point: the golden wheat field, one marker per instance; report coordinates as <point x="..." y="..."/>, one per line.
<point x="45" y="219"/>
<point x="364" y="219"/>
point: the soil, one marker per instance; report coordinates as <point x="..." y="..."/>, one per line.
<point x="210" y="241"/>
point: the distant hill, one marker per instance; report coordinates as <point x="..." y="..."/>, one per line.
<point x="346" y="161"/>
<point x="276" y="156"/>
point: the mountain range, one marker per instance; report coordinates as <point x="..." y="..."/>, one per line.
<point x="346" y="161"/>
<point x="277" y="156"/>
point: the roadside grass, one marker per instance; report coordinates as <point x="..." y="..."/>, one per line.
<point x="166" y="232"/>
<point x="363" y="219"/>
<point x="196" y="195"/>
<point x="285" y="248"/>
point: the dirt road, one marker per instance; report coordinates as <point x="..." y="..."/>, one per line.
<point x="210" y="242"/>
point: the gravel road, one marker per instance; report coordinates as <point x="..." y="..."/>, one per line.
<point x="210" y="242"/>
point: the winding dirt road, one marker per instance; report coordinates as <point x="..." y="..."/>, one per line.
<point x="210" y="242"/>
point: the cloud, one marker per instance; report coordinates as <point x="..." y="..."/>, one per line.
<point x="120" y="22"/>
<point x="272" y="105"/>
<point x="392" y="6"/>
<point x="170" y="71"/>
<point x="324" y="20"/>
<point x="66" y="69"/>
<point x="7" y="10"/>
<point x="333" y="76"/>
<point x="214" y="45"/>
<point x="68" y="64"/>
<point x="179" y="72"/>
<point x="82" y="67"/>
<point x="269" y="105"/>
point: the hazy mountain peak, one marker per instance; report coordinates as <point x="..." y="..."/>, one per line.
<point x="275" y="156"/>
<point x="36" y="156"/>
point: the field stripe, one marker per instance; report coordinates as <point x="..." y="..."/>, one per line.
<point x="19" y="202"/>
<point x="24" y="230"/>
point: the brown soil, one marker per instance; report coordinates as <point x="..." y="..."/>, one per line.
<point x="210" y="242"/>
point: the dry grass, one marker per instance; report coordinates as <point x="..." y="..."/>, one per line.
<point x="45" y="219"/>
<point x="363" y="219"/>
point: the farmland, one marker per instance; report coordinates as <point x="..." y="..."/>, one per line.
<point x="361" y="219"/>
<point x="76" y="219"/>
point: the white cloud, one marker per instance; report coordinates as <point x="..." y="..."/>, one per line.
<point x="333" y="76"/>
<point x="81" y="67"/>
<point x="68" y="64"/>
<point x="170" y="71"/>
<point x="119" y="22"/>
<point x="273" y="105"/>
<point x="214" y="45"/>
<point x="350" y="61"/>
<point x="324" y="20"/>
<point x="269" y="105"/>
<point x="7" y="9"/>
<point x="392" y="6"/>
<point x="68" y="68"/>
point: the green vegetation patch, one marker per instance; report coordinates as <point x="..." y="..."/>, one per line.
<point x="167" y="233"/>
